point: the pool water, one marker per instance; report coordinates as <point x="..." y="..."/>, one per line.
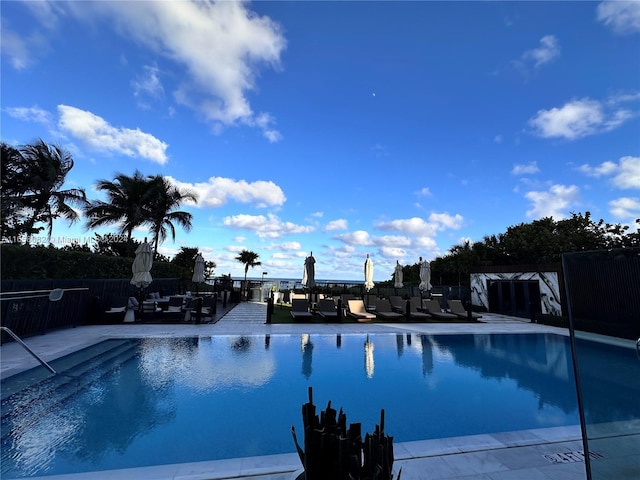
<point x="131" y="403"/>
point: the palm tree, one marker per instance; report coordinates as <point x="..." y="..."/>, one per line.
<point x="125" y="205"/>
<point x="164" y="199"/>
<point x="35" y="189"/>
<point x="250" y="259"/>
<point x="13" y="182"/>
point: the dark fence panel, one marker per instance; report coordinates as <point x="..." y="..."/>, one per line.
<point x="604" y="291"/>
<point x="603" y="295"/>
<point x="83" y="302"/>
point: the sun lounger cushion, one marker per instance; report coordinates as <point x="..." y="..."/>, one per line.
<point x="116" y="309"/>
<point x="300" y="309"/>
<point x="458" y="309"/>
<point x="433" y="307"/>
<point x="357" y="310"/>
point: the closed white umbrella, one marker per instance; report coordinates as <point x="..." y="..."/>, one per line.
<point x="309" y="275"/>
<point x="142" y="266"/>
<point x="368" y="274"/>
<point x="425" y="275"/>
<point x="398" y="276"/>
<point x="198" y="269"/>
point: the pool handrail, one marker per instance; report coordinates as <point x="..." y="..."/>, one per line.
<point x="54" y="296"/>
<point x="24" y="345"/>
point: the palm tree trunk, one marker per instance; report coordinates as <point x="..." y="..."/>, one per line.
<point x="244" y="285"/>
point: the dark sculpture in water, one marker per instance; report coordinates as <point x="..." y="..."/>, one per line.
<point x="333" y="451"/>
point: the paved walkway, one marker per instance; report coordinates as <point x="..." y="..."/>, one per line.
<point x="544" y="454"/>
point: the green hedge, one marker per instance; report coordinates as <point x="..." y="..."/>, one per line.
<point x="41" y="262"/>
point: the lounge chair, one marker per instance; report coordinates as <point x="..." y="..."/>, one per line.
<point x="118" y="305"/>
<point x="207" y="309"/>
<point x="300" y="309"/>
<point x="415" y="307"/>
<point x="298" y="296"/>
<point x="370" y="301"/>
<point x="149" y="309"/>
<point x="118" y="309"/>
<point x="345" y="298"/>
<point x="327" y="309"/>
<point x="397" y="303"/>
<point x="175" y="309"/>
<point x="458" y="309"/>
<point x="357" y="310"/>
<point x="433" y="308"/>
<point x="383" y="310"/>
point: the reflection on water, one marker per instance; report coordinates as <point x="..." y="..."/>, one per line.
<point x="368" y="357"/>
<point x="204" y="363"/>
<point x="196" y="399"/>
<point x="307" y="354"/>
<point x="400" y="344"/>
<point x="427" y="356"/>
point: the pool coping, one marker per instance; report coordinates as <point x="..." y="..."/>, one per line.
<point x="289" y="462"/>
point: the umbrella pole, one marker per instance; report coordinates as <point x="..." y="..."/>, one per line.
<point x="140" y="301"/>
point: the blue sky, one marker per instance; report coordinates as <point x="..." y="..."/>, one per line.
<point x="395" y="129"/>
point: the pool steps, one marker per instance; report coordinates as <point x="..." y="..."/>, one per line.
<point x="28" y="403"/>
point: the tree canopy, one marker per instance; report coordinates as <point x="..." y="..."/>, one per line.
<point x="542" y="241"/>
<point x="31" y="189"/>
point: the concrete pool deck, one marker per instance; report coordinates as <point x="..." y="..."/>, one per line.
<point x="544" y="454"/>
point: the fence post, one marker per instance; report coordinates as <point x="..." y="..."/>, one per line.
<point x="269" y="309"/>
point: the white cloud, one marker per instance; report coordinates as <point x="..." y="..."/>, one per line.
<point x="554" y="202"/>
<point x="359" y="237"/>
<point x="393" y="252"/>
<point x="148" y="83"/>
<point x="24" y="46"/>
<point x="412" y="226"/>
<point x="339" y="224"/>
<point x="95" y="132"/>
<point x="444" y="220"/>
<point x="29" y="114"/>
<point x="317" y="214"/>
<point x="605" y="168"/>
<point x="624" y="175"/>
<point x="577" y="119"/>
<point x="548" y="50"/>
<point x="419" y="227"/>
<point x="269" y="226"/>
<point x="497" y="139"/>
<point x="221" y="46"/>
<point x="47" y="13"/>
<point x="264" y="121"/>
<point x="290" y="246"/>
<point x="621" y="16"/>
<point x="392" y="241"/>
<point x="426" y="243"/>
<point x="525" y="169"/>
<point x="219" y="190"/>
<point x="584" y="117"/>
<point x="15" y="47"/>
<point x="424" y="192"/>
<point x="625" y="207"/>
<point x="379" y="150"/>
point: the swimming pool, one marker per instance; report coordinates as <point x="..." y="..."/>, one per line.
<point x="161" y="401"/>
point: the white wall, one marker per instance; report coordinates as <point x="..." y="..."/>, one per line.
<point x="548" y="281"/>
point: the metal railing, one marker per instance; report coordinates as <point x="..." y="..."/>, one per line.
<point x="24" y="345"/>
<point x="54" y="295"/>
